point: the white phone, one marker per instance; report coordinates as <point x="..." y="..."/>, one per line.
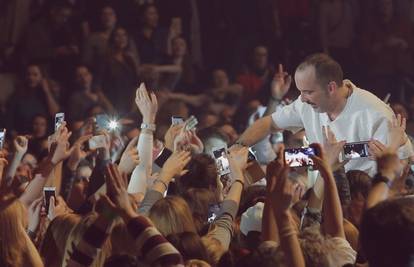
<point x="97" y="141"/>
<point x="59" y="118"/>
<point x="2" y="137"/>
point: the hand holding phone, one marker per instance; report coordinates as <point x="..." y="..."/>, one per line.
<point x="222" y="163"/>
<point x="48" y="192"/>
<point x="177" y="120"/>
<point x="190" y="123"/>
<point x="98" y="141"/>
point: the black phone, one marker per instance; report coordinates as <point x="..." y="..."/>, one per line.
<point x="356" y="150"/>
<point x="299" y="157"/>
<point x="48" y="193"/>
<point x="162" y="157"/>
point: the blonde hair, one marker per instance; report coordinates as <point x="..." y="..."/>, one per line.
<point x="53" y="245"/>
<point x="16" y="248"/>
<point x="171" y="215"/>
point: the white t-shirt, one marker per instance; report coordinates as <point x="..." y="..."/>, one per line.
<point x="364" y="117"/>
<point x="339" y="252"/>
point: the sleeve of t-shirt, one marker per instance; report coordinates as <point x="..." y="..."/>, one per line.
<point x="342" y="253"/>
<point x="289" y="117"/>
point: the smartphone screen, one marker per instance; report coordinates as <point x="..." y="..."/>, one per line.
<point x="177" y="120"/>
<point x="213" y="212"/>
<point x="59" y="118"/>
<point x="97" y="141"/>
<point x="251" y="155"/>
<point x="299" y="157"/>
<point x="102" y="121"/>
<point x="2" y="137"/>
<point x="48" y="192"/>
<point x="356" y="150"/>
<point x="223" y="165"/>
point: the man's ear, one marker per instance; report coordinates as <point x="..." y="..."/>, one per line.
<point x="332" y="87"/>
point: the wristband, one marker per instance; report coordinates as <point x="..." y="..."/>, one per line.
<point x="162" y="182"/>
<point x="148" y="126"/>
<point x="381" y="179"/>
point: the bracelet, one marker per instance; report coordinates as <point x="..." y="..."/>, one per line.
<point x="162" y="182"/>
<point x="148" y="126"/>
<point x="239" y="181"/>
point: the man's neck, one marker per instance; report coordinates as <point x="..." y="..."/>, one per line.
<point x="338" y="105"/>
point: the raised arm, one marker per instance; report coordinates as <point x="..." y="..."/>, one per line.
<point x="148" y="106"/>
<point x="258" y="130"/>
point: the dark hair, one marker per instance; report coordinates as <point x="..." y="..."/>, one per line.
<point x="189" y="245"/>
<point x="387" y="233"/>
<point x="202" y="173"/>
<point x="326" y="69"/>
<point x="199" y="201"/>
<point x="212" y="132"/>
<point x="111" y="41"/>
<point x="359" y="182"/>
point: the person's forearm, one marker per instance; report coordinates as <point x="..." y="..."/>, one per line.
<point x="271" y="106"/>
<point x="269" y="226"/>
<point x="138" y="182"/>
<point x="332" y="211"/>
<point x="52" y="105"/>
<point x="55" y="178"/>
<point x="257" y="131"/>
<point x="168" y="68"/>
<point x="11" y="171"/>
<point x="378" y="193"/>
<point x="236" y="188"/>
<point x="34" y="190"/>
<point x="289" y="240"/>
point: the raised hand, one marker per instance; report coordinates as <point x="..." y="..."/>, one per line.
<point x="78" y="154"/>
<point x="321" y="162"/>
<point x="237" y="157"/>
<point x="117" y="197"/>
<point x="397" y="134"/>
<point x="389" y="165"/>
<point x="171" y="135"/>
<point x="20" y="145"/>
<point x="281" y="83"/>
<point x="57" y="207"/>
<point x="146" y="103"/>
<point x="332" y="148"/>
<point x="34" y="214"/>
<point x="376" y="149"/>
<point x="61" y="149"/>
<point x="174" y="166"/>
<point x="130" y="157"/>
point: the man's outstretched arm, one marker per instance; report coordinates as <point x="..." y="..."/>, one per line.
<point x="258" y="130"/>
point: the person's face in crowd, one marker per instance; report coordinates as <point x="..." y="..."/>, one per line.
<point x="260" y="57"/>
<point x="121" y="38"/>
<point x="61" y="15"/>
<point x="34" y="76"/>
<point x="386" y="9"/>
<point x="220" y="79"/>
<point x="179" y="47"/>
<point x="108" y="17"/>
<point x="151" y="17"/>
<point x="230" y="132"/>
<point x="84" y="77"/>
<point x="213" y="143"/>
<point x="39" y="127"/>
<point x="311" y="91"/>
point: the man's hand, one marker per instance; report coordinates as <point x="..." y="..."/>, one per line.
<point x="171" y="135"/>
<point x="389" y="165"/>
<point x="57" y="206"/>
<point x="174" y="166"/>
<point x="78" y="154"/>
<point x="281" y="83"/>
<point x="34" y="214"/>
<point x="146" y="103"/>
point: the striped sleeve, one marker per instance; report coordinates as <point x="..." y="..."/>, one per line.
<point x="151" y="245"/>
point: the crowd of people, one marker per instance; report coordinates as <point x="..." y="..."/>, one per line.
<point x="126" y="180"/>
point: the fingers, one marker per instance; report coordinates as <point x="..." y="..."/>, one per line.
<point x="132" y="143"/>
<point x="280" y="69"/>
<point x="52" y="203"/>
<point x="318" y="150"/>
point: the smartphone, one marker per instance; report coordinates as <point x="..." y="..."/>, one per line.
<point x="356" y="150"/>
<point x="190" y="123"/>
<point x="97" y="141"/>
<point x="162" y="157"/>
<point x="48" y="192"/>
<point x="213" y="211"/>
<point x="223" y="165"/>
<point x="102" y="121"/>
<point x="2" y="137"/>
<point x="299" y="157"/>
<point x="59" y="118"/>
<point x="251" y="156"/>
<point x="177" y="120"/>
